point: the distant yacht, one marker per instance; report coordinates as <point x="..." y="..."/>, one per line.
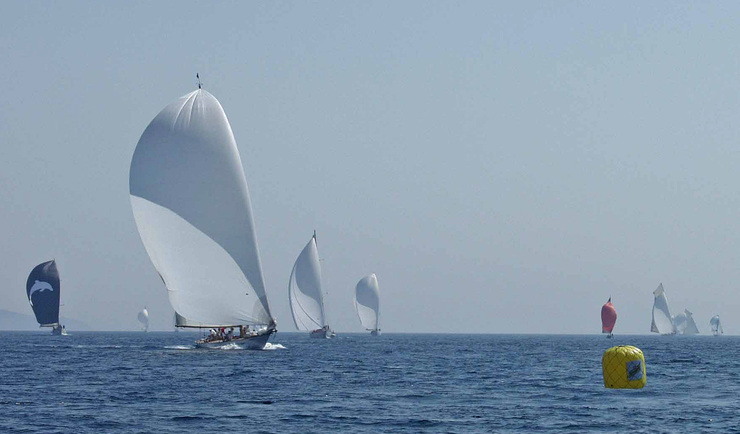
<point x="144" y="320"/>
<point x="684" y="323"/>
<point x="716" y="326"/>
<point x="305" y="293"/>
<point x="191" y="205"/>
<point x="43" y="289"/>
<point x="662" y="319"/>
<point x="367" y="303"/>
<point x="608" y="318"/>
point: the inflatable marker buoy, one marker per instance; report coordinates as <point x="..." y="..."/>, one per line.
<point x="624" y="368"/>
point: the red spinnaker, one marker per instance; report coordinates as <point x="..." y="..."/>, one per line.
<point x="608" y="317"/>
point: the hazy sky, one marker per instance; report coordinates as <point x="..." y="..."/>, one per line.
<point x="502" y="166"/>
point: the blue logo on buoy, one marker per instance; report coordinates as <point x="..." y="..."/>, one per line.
<point x="634" y="370"/>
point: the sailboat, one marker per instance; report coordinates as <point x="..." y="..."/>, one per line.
<point x="608" y="318"/>
<point x="144" y="319"/>
<point x="305" y="294"/>
<point x="684" y="323"/>
<point x="192" y="208"/>
<point x="367" y="303"/>
<point x="662" y="319"/>
<point x="43" y="289"/>
<point x="716" y="326"/>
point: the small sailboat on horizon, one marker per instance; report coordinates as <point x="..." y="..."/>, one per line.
<point x="43" y="288"/>
<point x="191" y="205"/>
<point x="608" y="318"/>
<point x="367" y="303"/>
<point x="662" y="319"/>
<point x="684" y="323"/>
<point x="306" y="295"/>
<point x="716" y="326"/>
<point x="143" y="318"/>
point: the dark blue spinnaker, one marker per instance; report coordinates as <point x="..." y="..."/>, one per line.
<point x="43" y="290"/>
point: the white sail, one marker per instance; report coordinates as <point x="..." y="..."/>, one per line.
<point x="367" y="302"/>
<point x="304" y="289"/>
<point x="680" y="323"/>
<point x="191" y="205"/>
<point x="716" y="325"/>
<point x="691" y="328"/>
<point x="662" y="319"/>
<point x="144" y="319"/>
<point x="684" y="323"/>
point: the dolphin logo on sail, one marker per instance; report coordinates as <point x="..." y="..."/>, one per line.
<point x="39" y="286"/>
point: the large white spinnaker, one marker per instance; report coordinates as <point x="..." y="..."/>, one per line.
<point x="367" y="302"/>
<point x="304" y="289"/>
<point x="191" y="205"/>
<point x="143" y="318"/>
<point x="662" y="319"/>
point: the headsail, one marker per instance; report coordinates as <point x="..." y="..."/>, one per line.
<point x="304" y="289"/>
<point x="608" y="317"/>
<point x="191" y="205"/>
<point x="662" y="319"/>
<point x="43" y="291"/>
<point x="691" y="328"/>
<point x="144" y="319"/>
<point x="367" y="302"/>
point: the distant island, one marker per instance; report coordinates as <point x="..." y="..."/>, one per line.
<point x="14" y="321"/>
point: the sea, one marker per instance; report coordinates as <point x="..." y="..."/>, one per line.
<point x="100" y="382"/>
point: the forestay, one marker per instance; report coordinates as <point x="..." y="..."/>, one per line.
<point x="367" y="302"/>
<point x="191" y="205"/>
<point x="304" y="289"/>
<point x="662" y="320"/>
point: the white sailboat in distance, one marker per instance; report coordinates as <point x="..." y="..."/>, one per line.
<point x="662" y="319"/>
<point x="143" y="318"/>
<point x="305" y="293"/>
<point x="684" y="323"/>
<point x="716" y="326"/>
<point x="191" y="205"/>
<point x="367" y="303"/>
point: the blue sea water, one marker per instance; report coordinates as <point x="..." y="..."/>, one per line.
<point x="397" y="383"/>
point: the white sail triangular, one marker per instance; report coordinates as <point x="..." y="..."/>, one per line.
<point x="691" y="328"/>
<point x="662" y="319"/>
<point x="191" y="205"/>
<point x="367" y="302"/>
<point x="304" y="290"/>
<point x="144" y="319"/>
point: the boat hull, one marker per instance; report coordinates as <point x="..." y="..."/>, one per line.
<point x="375" y="333"/>
<point x="256" y="342"/>
<point x="322" y="334"/>
<point x="58" y="331"/>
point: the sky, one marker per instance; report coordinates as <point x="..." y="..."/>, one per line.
<point x="503" y="167"/>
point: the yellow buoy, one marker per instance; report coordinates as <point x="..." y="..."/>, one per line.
<point x="624" y="368"/>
